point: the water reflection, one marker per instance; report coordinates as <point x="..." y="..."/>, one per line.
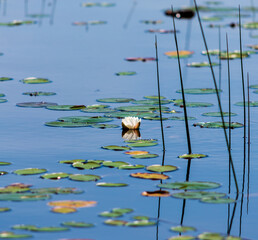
<point x="131" y="134"/>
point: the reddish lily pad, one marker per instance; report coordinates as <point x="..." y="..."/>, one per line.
<point x="73" y="203"/>
<point x="63" y="210"/>
<point x="182" y="54"/>
<point x="151" y="176"/>
<point x="158" y="193"/>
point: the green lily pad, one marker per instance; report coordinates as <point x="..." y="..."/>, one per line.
<point x="130" y="114"/>
<point x="141" y="108"/>
<point x="193" y="155"/>
<point x="181" y="118"/>
<point x="217" y="114"/>
<point x="233" y="238"/>
<point x="211" y="19"/>
<point x="251" y="104"/>
<point x="189" y="185"/>
<point x="154" y="97"/>
<point x="198" y="195"/>
<point x="113" y="222"/>
<point x="125" y="73"/>
<point x="212" y="52"/>
<point x="131" y="167"/>
<point x="7" y="235"/>
<point x="115" y="100"/>
<point x="65" y="107"/>
<point x="254" y="86"/>
<point x="35" y="104"/>
<point x="250" y="25"/>
<point x="104" y="184"/>
<point x="214" y="199"/>
<point x="182" y="238"/>
<point x="56" y="190"/>
<point x="157" y="118"/>
<point x="122" y="210"/>
<point x="234" y="55"/>
<point x="201" y="64"/>
<point x="103" y="126"/>
<point x="115" y="164"/>
<point x="110" y="214"/>
<point x="3" y="100"/>
<point x="96" y="161"/>
<point x="34" y="80"/>
<point x="194" y="104"/>
<point x="4" y="163"/>
<point x="199" y="91"/>
<point x="72" y="161"/>
<point x="182" y="229"/>
<point x="97" y="106"/>
<point x="98" y="110"/>
<point x="210" y="236"/>
<point x="218" y="125"/>
<point x="160" y="168"/>
<point x="141" y="141"/>
<point x="5" y="209"/>
<point x="66" y="124"/>
<point x="2" y="95"/>
<point x="116" y="148"/>
<point x="84" y="177"/>
<point x="141" y="218"/>
<point x="2" y="79"/>
<point x="15" y="188"/>
<point x="151" y="102"/>
<point x="85" y="119"/>
<point x="30" y="171"/>
<point x="143" y="144"/>
<point x="87" y="165"/>
<point x="23" y="197"/>
<point x="55" y="176"/>
<point x="34" y="94"/>
<point x="145" y="156"/>
<point x="49" y="229"/>
<point x="77" y="224"/>
<point x="141" y="223"/>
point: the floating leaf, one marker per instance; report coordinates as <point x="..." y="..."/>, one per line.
<point x="161" y="168"/>
<point x="34" y="94"/>
<point x="116" y="148"/>
<point x="217" y="114"/>
<point x="122" y="210"/>
<point x="201" y="64"/>
<point x="141" y="223"/>
<point x="131" y="167"/>
<point x="199" y="91"/>
<point x="194" y="104"/>
<point x="233" y="55"/>
<point x="141" y="218"/>
<point x="145" y="156"/>
<point x="87" y="165"/>
<point x="115" y="100"/>
<point x="2" y="79"/>
<point x="104" y="184"/>
<point x="218" y="125"/>
<point x="154" y="97"/>
<point x="116" y="164"/>
<point x="182" y="238"/>
<point x="84" y="178"/>
<point x="103" y="126"/>
<point x="158" y="193"/>
<point x="197" y="195"/>
<point x="254" y="46"/>
<point x="210" y="236"/>
<point x="34" y="80"/>
<point x="98" y="110"/>
<point x="72" y="161"/>
<point x="56" y="190"/>
<point x="193" y="155"/>
<point x="23" y="197"/>
<point x="55" y="176"/>
<point x="214" y="199"/>
<point x="251" y="25"/>
<point x="182" y="229"/>
<point x="63" y="210"/>
<point x="5" y="209"/>
<point x="151" y="102"/>
<point x="189" y="185"/>
<point x="181" y="118"/>
<point x="211" y="19"/>
<point x="73" y="203"/>
<point x="151" y="176"/>
<point x="4" y="163"/>
<point x="141" y="108"/>
<point x="30" y="171"/>
<point x="254" y="86"/>
<point x="233" y="238"/>
<point x="115" y="222"/>
<point x="125" y="73"/>
<point x="157" y="118"/>
<point x="77" y="224"/>
<point x="182" y="54"/>
<point x="3" y="100"/>
<point x="35" y="104"/>
<point x="251" y="104"/>
<point x="85" y="119"/>
<point x="212" y="52"/>
<point x="40" y="229"/>
<point x="66" y="124"/>
<point x="136" y="152"/>
<point x="66" y="107"/>
<point x="7" y="235"/>
<point x="97" y="106"/>
<point x="111" y="214"/>
<point x="130" y="114"/>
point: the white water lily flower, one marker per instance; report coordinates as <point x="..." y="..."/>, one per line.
<point x="131" y="123"/>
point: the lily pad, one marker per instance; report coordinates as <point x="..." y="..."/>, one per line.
<point x="151" y="176"/>
<point x="66" y="107"/>
<point x="55" y="176"/>
<point x="201" y="64"/>
<point x="115" y="164"/>
<point x="73" y="203"/>
<point x="116" y="148"/>
<point x="156" y="118"/>
<point x="125" y="73"/>
<point x="84" y="177"/>
<point x="7" y="235"/>
<point x="254" y="46"/>
<point x="141" y="223"/>
<point x="160" y="168"/>
<point x="23" y="197"/>
<point x="103" y="126"/>
<point x="2" y="79"/>
<point x="113" y="222"/>
<point x="122" y="210"/>
<point x="182" y="54"/>
<point x="182" y="238"/>
<point x="115" y="100"/>
<point x="34" y="80"/>
<point x="66" y="124"/>
<point x="154" y="97"/>
<point x="193" y="155"/>
<point x="145" y="156"/>
<point x="30" y="171"/>
<point x="5" y="209"/>
<point x="217" y="114"/>
<point x="97" y="106"/>
<point x="2" y="95"/>
<point x="40" y="229"/>
<point x="151" y="102"/>
<point x="198" y="195"/>
<point x="141" y="108"/>
<point x="214" y="199"/>
<point x="110" y="214"/>
<point x="250" y="25"/>
<point x="136" y="152"/>
<point x="77" y="224"/>
<point x="72" y="161"/>
<point x="158" y="193"/>
<point x="35" y="104"/>
<point x="199" y="91"/>
<point x="130" y="114"/>
<point x="212" y="52"/>
<point x="218" y="125"/>
<point x="251" y="104"/>
<point x="4" y="163"/>
<point x="56" y="190"/>
<point x="189" y="185"/>
<point x="210" y="236"/>
<point x="254" y="86"/>
<point x="194" y="104"/>
<point x="177" y="118"/>
<point x="98" y="110"/>
<point x="85" y="119"/>
<point x="34" y="94"/>
<point x="63" y="210"/>
<point x="182" y="229"/>
<point x="233" y="55"/>
<point x="104" y="184"/>
<point x="131" y="167"/>
<point x="87" y="165"/>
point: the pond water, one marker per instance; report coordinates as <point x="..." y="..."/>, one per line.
<point x="81" y="62"/>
